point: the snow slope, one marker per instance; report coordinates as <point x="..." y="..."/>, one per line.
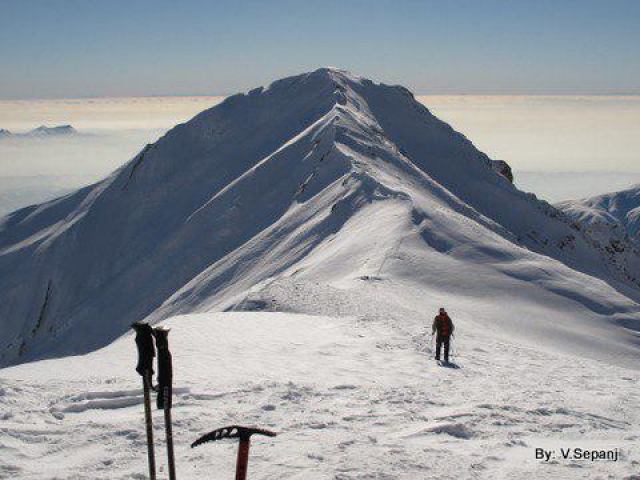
<point x="323" y="179"/>
<point x="351" y="398"/>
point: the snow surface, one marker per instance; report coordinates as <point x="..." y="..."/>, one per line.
<point x="342" y="214"/>
<point x="351" y="398"/>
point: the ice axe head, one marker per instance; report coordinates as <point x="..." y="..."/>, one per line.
<point x="232" y="431"/>
<point x="242" y="433"/>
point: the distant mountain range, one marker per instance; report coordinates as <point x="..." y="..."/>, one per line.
<point x="41" y="132"/>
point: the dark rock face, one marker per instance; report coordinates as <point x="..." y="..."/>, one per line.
<point x="501" y="167"/>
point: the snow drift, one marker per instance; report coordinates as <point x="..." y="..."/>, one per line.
<point x="286" y="198"/>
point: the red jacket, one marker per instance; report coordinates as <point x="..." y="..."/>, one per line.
<point x="443" y="325"/>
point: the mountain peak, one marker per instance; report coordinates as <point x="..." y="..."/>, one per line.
<point x="328" y="74"/>
<point x="43" y="130"/>
<point x="330" y="77"/>
<point x="339" y="74"/>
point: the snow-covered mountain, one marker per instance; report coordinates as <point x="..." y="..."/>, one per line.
<point x="59" y="130"/>
<point x="284" y="197"/>
<point x="41" y="132"/>
<point x="613" y="218"/>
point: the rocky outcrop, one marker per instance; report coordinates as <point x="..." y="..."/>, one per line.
<point x="503" y="168"/>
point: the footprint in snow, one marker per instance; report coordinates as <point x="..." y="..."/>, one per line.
<point x="107" y="404"/>
<point x="453" y="429"/>
<point x="106" y="400"/>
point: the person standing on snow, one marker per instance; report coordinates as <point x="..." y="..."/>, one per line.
<point x="444" y="326"/>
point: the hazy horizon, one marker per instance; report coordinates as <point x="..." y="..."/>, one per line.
<point x="560" y="147"/>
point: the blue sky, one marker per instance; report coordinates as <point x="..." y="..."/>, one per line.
<point x="79" y="48"/>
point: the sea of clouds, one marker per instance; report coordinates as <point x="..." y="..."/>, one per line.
<point x="560" y="147"/>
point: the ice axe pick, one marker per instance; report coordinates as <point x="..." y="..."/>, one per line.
<point x="236" y="431"/>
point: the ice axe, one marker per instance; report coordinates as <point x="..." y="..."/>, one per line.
<point x="236" y="431"/>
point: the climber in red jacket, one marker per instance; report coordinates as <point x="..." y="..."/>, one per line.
<point x="443" y="325"/>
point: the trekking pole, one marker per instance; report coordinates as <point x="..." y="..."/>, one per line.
<point x="164" y="399"/>
<point x="236" y="431"/>
<point x="452" y="346"/>
<point x="169" y="433"/>
<point x="146" y="352"/>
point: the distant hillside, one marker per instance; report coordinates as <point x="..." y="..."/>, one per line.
<point x="612" y="217"/>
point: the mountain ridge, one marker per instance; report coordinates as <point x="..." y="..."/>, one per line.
<point x="40" y="132"/>
<point x="619" y="210"/>
<point x="263" y="187"/>
<point x="612" y="220"/>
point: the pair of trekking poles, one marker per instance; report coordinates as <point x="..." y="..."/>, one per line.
<point x="145" y="336"/>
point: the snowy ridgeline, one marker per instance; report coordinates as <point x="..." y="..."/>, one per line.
<point x="613" y="218"/>
<point x="350" y="400"/>
<point x="331" y="196"/>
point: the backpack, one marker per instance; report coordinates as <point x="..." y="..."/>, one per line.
<point x="444" y="325"/>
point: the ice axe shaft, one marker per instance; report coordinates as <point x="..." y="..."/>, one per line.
<point x="243" y="459"/>
<point x="244" y="435"/>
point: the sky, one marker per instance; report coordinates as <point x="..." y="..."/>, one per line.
<point x="88" y="48"/>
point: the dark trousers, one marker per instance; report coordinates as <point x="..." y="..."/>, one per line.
<point x="439" y="341"/>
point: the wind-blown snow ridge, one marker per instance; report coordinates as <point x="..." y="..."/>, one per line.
<point x="323" y="177"/>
